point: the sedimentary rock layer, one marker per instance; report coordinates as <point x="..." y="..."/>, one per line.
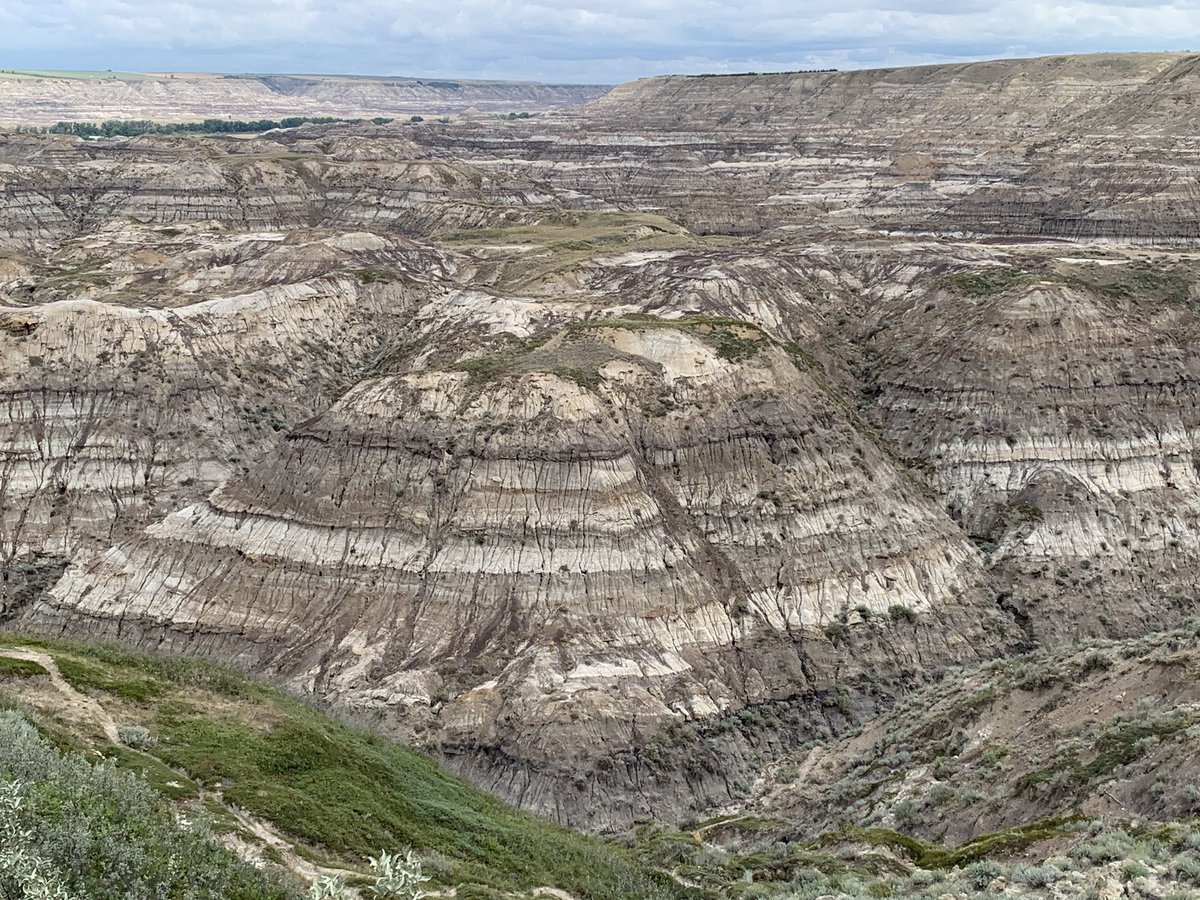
<point x="623" y="526"/>
<point x="613" y="456"/>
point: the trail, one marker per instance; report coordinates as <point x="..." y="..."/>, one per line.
<point x="88" y="711"/>
<point x="75" y="705"/>
<point x="307" y="870"/>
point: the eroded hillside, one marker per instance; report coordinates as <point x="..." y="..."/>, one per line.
<point x="615" y="458"/>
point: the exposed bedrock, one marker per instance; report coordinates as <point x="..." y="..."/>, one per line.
<point x="1057" y="414"/>
<point x="113" y="415"/>
<point x="611" y="456"/>
<point x="544" y="558"/>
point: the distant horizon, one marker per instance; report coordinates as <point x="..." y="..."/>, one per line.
<point x="51" y="72"/>
<point x="572" y="41"/>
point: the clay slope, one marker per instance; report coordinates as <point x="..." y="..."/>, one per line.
<point x="117" y="413"/>
<point x="1106" y="731"/>
<point x="477" y="430"/>
<point x="543" y="557"/>
<point x="57" y="189"/>
<point x="1074" y="147"/>
<point x="1017" y="93"/>
<point x="1052" y="402"/>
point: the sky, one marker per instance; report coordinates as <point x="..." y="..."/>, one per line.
<point x="588" y="41"/>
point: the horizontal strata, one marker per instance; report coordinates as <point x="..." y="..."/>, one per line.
<point x="1060" y="424"/>
<point x="112" y="416"/>
<point x="428" y="518"/>
<point x="182" y="97"/>
<point x="610" y="571"/>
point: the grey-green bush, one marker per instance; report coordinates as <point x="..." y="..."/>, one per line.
<point x="74" y="828"/>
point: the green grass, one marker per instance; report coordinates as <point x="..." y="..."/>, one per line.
<point x="162" y="778"/>
<point x="376" y="276"/>
<point x="579" y="356"/>
<point x="20" y="668"/>
<point x="564" y="240"/>
<point x="983" y="282"/>
<point x="929" y="855"/>
<point x="106" y="834"/>
<point x="349" y="793"/>
<point x="84" y="676"/>
<point x="732" y="339"/>
<point x="343" y="793"/>
<point x="135" y="676"/>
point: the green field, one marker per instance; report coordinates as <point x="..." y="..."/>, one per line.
<point x="80" y="75"/>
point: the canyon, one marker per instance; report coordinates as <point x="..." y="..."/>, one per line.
<point x="619" y="457"/>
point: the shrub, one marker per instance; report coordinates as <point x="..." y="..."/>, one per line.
<point x="1035" y="876"/>
<point x="941" y="793"/>
<point x="904" y="814"/>
<point x="1134" y="869"/>
<point x="83" y="829"/>
<point x="331" y="887"/>
<point x="1108" y="847"/>
<point x="397" y="877"/>
<point x="980" y="874"/>
<point x="1186" y="867"/>
<point x="137" y="737"/>
<point x="23" y="873"/>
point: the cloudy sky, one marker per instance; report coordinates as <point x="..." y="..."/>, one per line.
<point x="571" y="40"/>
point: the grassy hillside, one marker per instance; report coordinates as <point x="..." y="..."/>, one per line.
<point x="77" y="827"/>
<point x="240" y="753"/>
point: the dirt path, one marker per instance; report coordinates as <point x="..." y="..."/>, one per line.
<point x="270" y="837"/>
<point x="74" y="704"/>
<point x="88" y="712"/>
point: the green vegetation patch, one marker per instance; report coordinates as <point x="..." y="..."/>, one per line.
<point x="349" y="793"/>
<point x="160" y="776"/>
<point x="984" y="282"/>
<point x="1142" y="279"/>
<point x="121" y="672"/>
<point x="69" y="825"/>
<point x="562" y="241"/>
<point x="929" y="855"/>
<point x="578" y="355"/>
<point x="376" y="276"/>
<point x="344" y="793"/>
<point x="732" y="339"/>
<point x="1122" y="743"/>
<point x="137" y="127"/>
<point x="84" y="676"/>
<point x="11" y="667"/>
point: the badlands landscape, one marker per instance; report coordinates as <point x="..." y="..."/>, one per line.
<point x="791" y="479"/>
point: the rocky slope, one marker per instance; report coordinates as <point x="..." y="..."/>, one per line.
<point x="1074" y="147"/>
<point x="1106" y="731"/>
<point x="703" y="503"/>
<point x="479" y="431"/>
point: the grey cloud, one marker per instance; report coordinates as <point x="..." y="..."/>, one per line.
<point x="575" y="40"/>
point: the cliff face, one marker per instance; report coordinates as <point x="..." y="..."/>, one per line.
<point x="1016" y="94"/>
<point x="470" y="430"/>
<point x="1060" y="147"/>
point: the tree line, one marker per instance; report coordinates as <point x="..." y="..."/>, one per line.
<point x="135" y="127"/>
